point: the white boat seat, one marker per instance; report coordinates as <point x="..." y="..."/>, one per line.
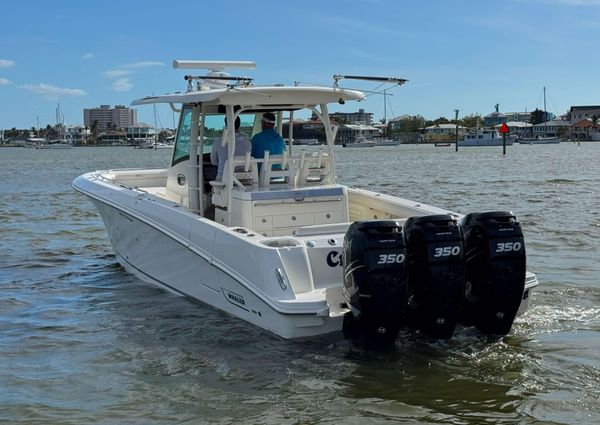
<point x="245" y="174"/>
<point x="284" y="172"/>
<point x="315" y="168"/>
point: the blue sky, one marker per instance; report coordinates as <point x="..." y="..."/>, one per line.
<point x="461" y="54"/>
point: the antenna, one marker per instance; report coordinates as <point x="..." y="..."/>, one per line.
<point x="217" y="77"/>
<point x="213" y="66"/>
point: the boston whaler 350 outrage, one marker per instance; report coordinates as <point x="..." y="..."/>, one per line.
<point x="278" y="243"/>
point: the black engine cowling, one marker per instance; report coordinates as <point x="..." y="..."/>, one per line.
<point x="436" y="273"/>
<point x="375" y="279"/>
<point x="495" y="270"/>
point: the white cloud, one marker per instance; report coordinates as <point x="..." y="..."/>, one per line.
<point x="52" y="92"/>
<point x="5" y="63"/>
<point x="116" y="73"/>
<point x="88" y="56"/>
<point x="122" y="84"/>
<point x="142" y="64"/>
<point x="4" y="81"/>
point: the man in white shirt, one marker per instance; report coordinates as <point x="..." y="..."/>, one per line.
<point x="218" y="155"/>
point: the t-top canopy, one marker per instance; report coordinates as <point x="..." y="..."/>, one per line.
<point x="258" y="96"/>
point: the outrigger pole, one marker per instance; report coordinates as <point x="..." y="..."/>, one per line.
<point x="391" y="80"/>
<point x="394" y="80"/>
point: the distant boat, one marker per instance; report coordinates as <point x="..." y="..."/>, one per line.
<point x="539" y="140"/>
<point x="360" y="142"/>
<point x="306" y="142"/>
<point x="55" y="145"/>
<point x="388" y="142"/>
<point x="484" y="138"/>
<point x="442" y="144"/>
<point x="33" y="142"/>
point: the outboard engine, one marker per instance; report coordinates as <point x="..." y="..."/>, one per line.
<point x="375" y="280"/>
<point x="495" y="270"/>
<point x="436" y="273"/>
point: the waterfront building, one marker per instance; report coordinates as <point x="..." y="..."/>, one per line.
<point x="494" y="118"/>
<point x="518" y="128"/>
<point x="305" y="130"/>
<point x="113" y="138"/>
<point x="360" y="117"/>
<point x="313" y="130"/>
<point x="443" y="132"/>
<point x="76" y="134"/>
<point x="523" y="117"/>
<point x="107" y="117"/>
<point x="551" y="128"/>
<point x="140" y="132"/>
<point x="351" y="132"/>
<point x="578" y="113"/>
<point x="583" y="129"/>
<point x="396" y="122"/>
<point x="498" y="118"/>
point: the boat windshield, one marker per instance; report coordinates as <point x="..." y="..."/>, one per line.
<point x="213" y="130"/>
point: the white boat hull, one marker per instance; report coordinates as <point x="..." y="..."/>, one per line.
<point x="388" y="143"/>
<point x="209" y="263"/>
<point x="166" y="245"/>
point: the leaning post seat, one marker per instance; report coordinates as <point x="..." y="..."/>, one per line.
<point x="280" y="211"/>
<point x="245" y="173"/>
<point x="277" y="167"/>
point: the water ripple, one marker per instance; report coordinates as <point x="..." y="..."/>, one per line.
<point x="81" y="341"/>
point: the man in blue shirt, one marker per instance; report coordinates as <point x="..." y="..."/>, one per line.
<point x="268" y="139"/>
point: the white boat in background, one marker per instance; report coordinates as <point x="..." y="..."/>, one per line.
<point x="277" y="242"/>
<point x="484" y="138"/>
<point x="388" y="142"/>
<point x="308" y="142"/>
<point x="359" y="142"/>
<point x="54" y="145"/>
<point x="538" y="140"/>
<point x="33" y="142"/>
<point x="152" y="144"/>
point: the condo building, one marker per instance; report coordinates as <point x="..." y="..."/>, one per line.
<point x="107" y="117"/>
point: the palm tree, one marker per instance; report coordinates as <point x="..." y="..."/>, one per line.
<point x="94" y="132"/>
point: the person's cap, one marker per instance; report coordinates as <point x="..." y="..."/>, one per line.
<point x="268" y="117"/>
